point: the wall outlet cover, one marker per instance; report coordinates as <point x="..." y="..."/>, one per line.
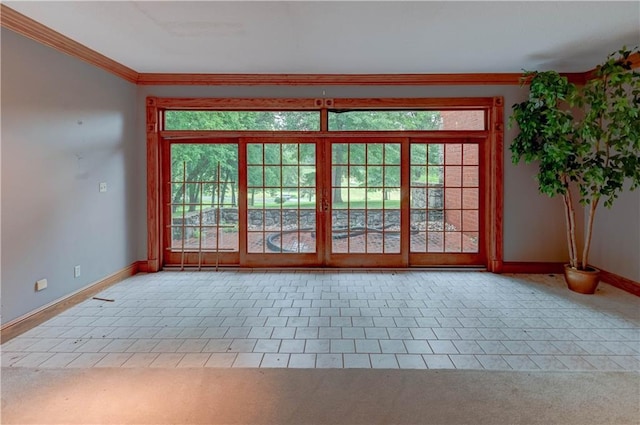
<point x="41" y="284"/>
<point x="76" y="271"/>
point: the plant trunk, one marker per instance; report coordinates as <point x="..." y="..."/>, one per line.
<point x="194" y="197"/>
<point x="587" y="233"/>
<point x="570" y="217"/>
<point x="337" y="182"/>
<point x="223" y="191"/>
<point x="176" y="199"/>
<point x="233" y="195"/>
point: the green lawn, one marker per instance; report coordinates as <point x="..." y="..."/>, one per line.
<point x="371" y="205"/>
<point x="356" y="200"/>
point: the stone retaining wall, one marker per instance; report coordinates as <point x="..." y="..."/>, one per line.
<point x="293" y="218"/>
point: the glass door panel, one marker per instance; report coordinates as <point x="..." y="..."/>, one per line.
<point x="365" y="194"/>
<point x="445" y="201"/>
<point x="281" y="203"/>
<point x="201" y="204"/>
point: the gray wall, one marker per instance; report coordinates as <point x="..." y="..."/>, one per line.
<point x="616" y="237"/>
<point x="66" y="126"/>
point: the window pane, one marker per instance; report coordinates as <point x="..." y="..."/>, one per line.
<point x="453" y="176"/>
<point x="356" y="175"/>
<point x="307" y="154"/>
<point x="290" y="175"/>
<point x="254" y="176"/>
<point x="339" y="153"/>
<point x="436" y="154"/>
<point x="462" y="120"/>
<point x="418" y="175"/>
<point x="453" y="154"/>
<point x="392" y="153"/>
<point x="374" y="176"/>
<point x="406" y="120"/>
<point x="243" y="120"/>
<point x="392" y="176"/>
<point x="254" y="154"/>
<point x="272" y="154"/>
<point x="435" y="176"/>
<point x="307" y="176"/>
<point x="419" y="154"/>
<point x="384" y="120"/>
<point x="356" y="153"/>
<point x="272" y="176"/>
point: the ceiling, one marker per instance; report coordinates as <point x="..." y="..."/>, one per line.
<point x="339" y="37"/>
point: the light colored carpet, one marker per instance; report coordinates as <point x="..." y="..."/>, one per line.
<point x="312" y="396"/>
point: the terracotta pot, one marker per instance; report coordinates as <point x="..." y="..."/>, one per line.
<point x="582" y="281"/>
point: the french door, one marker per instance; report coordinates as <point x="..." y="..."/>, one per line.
<point x="365" y="218"/>
<point x="281" y="205"/>
<point x="344" y="201"/>
<point x="201" y="195"/>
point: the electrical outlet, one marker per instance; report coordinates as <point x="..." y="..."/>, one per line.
<point x="76" y="271"/>
<point x="41" y="284"/>
<point x="103" y="187"/>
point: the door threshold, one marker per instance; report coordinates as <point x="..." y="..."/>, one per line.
<point x="322" y="269"/>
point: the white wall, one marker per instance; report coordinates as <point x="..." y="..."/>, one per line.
<point x="66" y="126"/>
<point x="533" y="223"/>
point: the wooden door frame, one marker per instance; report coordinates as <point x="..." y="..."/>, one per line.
<point x="248" y="259"/>
<point x="388" y="260"/>
<point x="155" y="133"/>
<point x="189" y="258"/>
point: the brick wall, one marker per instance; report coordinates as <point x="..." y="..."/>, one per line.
<point x="461" y="186"/>
<point x="462" y="120"/>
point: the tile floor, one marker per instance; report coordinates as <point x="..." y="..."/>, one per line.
<point x="340" y="319"/>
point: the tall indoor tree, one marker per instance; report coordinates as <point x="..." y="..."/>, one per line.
<point x="585" y="137"/>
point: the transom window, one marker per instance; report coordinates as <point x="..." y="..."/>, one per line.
<point x="343" y="120"/>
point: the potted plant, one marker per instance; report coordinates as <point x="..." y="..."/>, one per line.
<point x="585" y="138"/>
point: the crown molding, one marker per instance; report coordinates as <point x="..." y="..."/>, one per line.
<point x="34" y="30"/>
<point x="329" y="79"/>
<point x="477" y="79"/>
